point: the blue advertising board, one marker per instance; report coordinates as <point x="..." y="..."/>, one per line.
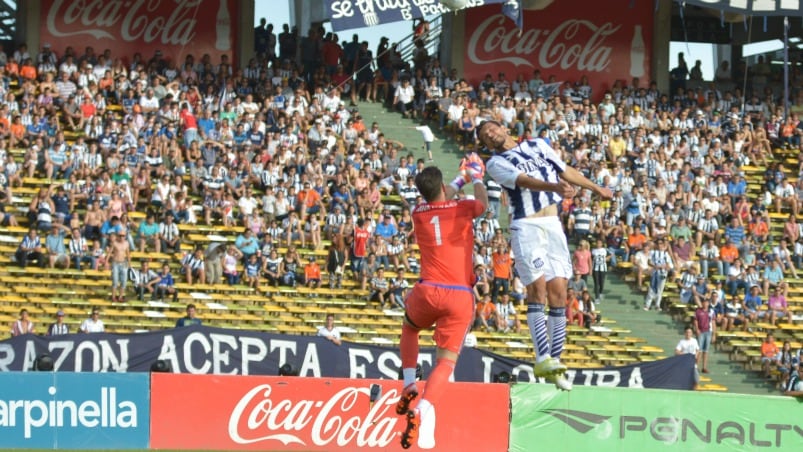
<point x="62" y="410"/>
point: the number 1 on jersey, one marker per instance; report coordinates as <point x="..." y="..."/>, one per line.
<point x="436" y="221"/>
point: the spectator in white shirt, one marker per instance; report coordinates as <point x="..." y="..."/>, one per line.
<point x="93" y="324"/>
<point x="330" y="331"/>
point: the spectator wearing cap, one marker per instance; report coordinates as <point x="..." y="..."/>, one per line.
<point x="386" y="228"/>
<point x="58" y="328"/>
<point x="312" y="273"/>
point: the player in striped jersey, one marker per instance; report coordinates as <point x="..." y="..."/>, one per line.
<point x="536" y="181"/>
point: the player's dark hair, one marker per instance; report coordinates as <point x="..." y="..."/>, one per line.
<point x="429" y="182"/>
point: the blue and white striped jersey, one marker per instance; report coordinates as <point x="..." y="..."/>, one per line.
<point x="536" y="159"/>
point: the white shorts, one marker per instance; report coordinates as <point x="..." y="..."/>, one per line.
<point x="540" y="249"/>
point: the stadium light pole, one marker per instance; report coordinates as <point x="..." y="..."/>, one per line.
<point x="785" y="68"/>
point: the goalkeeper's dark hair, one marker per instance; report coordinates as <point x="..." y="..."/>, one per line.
<point x="429" y="182"/>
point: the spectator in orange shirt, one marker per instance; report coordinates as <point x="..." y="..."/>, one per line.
<point x="574" y="313"/>
<point x="500" y="260"/>
<point x="309" y="200"/>
<point x="88" y="109"/>
<point x="769" y="354"/>
<point x="312" y="274"/>
<point x="359" y="125"/>
<point x="759" y="229"/>
<point x="636" y="240"/>
<point x="788" y="134"/>
<point x="28" y="70"/>
<point x="12" y="68"/>
<point x="485" y="315"/>
<point x="727" y="254"/>
<point x="17" y="133"/>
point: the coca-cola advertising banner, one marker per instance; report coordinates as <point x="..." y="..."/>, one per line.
<point x="296" y="413"/>
<point x="175" y="27"/>
<point x="604" y="40"/>
<point x="205" y="350"/>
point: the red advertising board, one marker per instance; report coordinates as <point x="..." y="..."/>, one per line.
<point x="603" y="40"/>
<point x="281" y="413"/>
<point x="175" y="27"/>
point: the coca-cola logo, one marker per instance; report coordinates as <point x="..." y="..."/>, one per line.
<point x="347" y="419"/>
<point x="574" y="43"/>
<point x="171" y="23"/>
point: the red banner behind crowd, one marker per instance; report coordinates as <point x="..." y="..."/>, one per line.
<point x="605" y="41"/>
<point x="175" y="27"/>
<point x="296" y="413"/>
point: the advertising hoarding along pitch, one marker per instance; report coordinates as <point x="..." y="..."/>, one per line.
<point x="79" y="411"/>
<point x="176" y="28"/>
<point x="296" y="413"/>
<point x="616" y="419"/>
<point x="604" y="41"/>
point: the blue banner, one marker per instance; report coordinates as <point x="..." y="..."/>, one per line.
<point x="348" y="14"/>
<point x="751" y="7"/>
<point x="50" y="410"/>
<point x="205" y="350"/>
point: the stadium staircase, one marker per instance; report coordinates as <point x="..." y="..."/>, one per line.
<point x="735" y="363"/>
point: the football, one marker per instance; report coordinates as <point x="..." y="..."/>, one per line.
<point x="454" y="5"/>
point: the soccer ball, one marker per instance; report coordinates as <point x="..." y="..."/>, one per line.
<point x="454" y="5"/>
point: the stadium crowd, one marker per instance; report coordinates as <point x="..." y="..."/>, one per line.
<point x="136" y="145"/>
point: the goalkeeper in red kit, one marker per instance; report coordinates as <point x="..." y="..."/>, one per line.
<point x="443" y="297"/>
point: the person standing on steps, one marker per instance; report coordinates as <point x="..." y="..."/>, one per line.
<point x="705" y="328"/>
<point x="599" y="269"/>
<point x="689" y="346"/>
<point x="536" y="181"/>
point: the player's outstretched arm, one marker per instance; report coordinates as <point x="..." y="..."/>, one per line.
<point x="562" y="188"/>
<point x="574" y="177"/>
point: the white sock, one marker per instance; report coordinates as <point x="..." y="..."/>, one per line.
<point x="409" y="376"/>
<point x="426" y="431"/>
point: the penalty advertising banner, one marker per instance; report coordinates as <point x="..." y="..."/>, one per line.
<point x="615" y="419"/>
<point x="296" y="413"/>
<point x="206" y="350"/>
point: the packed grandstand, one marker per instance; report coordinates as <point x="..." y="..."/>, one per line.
<point x="261" y="196"/>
